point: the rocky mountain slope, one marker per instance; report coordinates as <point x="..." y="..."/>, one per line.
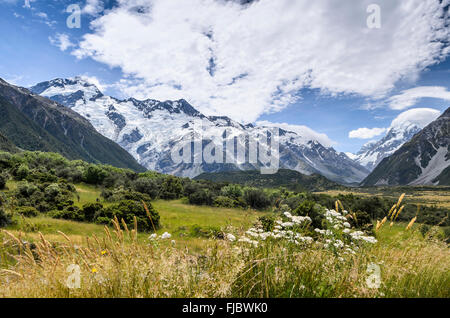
<point x="33" y="122"/>
<point x="372" y="153"/>
<point x="425" y="160"/>
<point x="150" y="129"/>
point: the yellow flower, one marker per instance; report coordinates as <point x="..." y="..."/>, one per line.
<point x="103" y="252"/>
<point x="94" y="270"/>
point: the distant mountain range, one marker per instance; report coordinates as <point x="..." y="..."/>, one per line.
<point x="424" y="160"/>
<point x="372" y="153"/>
<point x="292" y="180"/>
<point x="35" y="123"/>
<point x="150" y="129"/>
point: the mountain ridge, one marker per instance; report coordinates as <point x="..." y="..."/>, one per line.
<point x="424" y="160"/>
<point x="33" y="122"/>
<point x="149" y="129"/>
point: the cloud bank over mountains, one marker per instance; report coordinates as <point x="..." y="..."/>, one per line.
<point x="244" y="61"/>
<point x="420" y="117"/>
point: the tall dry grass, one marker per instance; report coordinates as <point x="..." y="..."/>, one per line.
<point x="119" y="265"/>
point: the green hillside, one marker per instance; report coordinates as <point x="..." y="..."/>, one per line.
<point x="38" y="124"/>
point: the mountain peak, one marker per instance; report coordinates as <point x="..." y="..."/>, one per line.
<point x="149" y="129"/>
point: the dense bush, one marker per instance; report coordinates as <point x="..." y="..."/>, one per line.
<point x="94" y="175"/>
<point x="225" y="202"/>
<point x="256" y="198"/>
<point x="171" y="188"/>
<point x="22" y="172"/>
<point x="201" y="197"/>
<point x="5" y="219"/>
<point x="313" y="210"/>
<point x="44" y="197"/>
<point x="27" y="211"/>
<point x="121" y="194"/>
<point x="90" y="210"/>
<point x="267" y="223"/>
<point x="147" y="186"/>
<point x="127" y="210"/>
<point x="3" y="180"/>
<point x="72" y="213"/>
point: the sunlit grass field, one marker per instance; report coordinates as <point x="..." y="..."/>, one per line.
<point x="117" y="262"/>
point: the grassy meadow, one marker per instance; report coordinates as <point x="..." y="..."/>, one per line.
<point x="38" y="254"/>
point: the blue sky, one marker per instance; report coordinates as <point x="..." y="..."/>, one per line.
<point x="293" y="63"/>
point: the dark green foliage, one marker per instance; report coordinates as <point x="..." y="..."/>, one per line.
<point x="94" y="175"/>
<point x="27" y="211"/>
<point x="3" y="180"/>
<point x="22" y="172"/>
<point x="201" y="197"/>
<point x="256" y="198"/>
<point x="267" y="222"/>
<point x="126" y="210"/>
<point x="225" y="202"/>
<point x="313" y="210"/>
<point x="5" y="219"/>
<point x="90" y="210"/>
<point x="424" y="229"/>
<point x="71" y="213"/>
<point x="361" y="220"/>
<point x="123" y="194"/>
<point x="146" y="185"/>
<point x="171" y="188"/>
<point x="290" y="179"/>
<point x="206" y="232"/>
<point x="44" y="197"/>
<point x="6" y="145"/>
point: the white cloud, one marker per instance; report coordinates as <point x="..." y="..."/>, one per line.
<point x="93" y="7"/>
<point x="303" y="131"/>
<point x="245" y="61"/>
<point x="418" y="116"/>
<point x="366" y="133"/>
<point x="61" y="40"/>
<point x="410" y="97"/>
<point x="95" y="81"/>
<point x="42" y="15"/>
<point x="27" y="4"/>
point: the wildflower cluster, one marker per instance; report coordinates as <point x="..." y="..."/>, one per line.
<point x="336" y="234"/>
<point x="164" y="236"/>
<point x="288" y="229"/>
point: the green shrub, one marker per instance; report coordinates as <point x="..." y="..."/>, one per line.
<point x="232" y="191"/>
<point x="127" y="210"/>
<point x="90" y="209"/>
<point x="206" y="232"/>
<point x="3" y="180"/>
<point x="147" y="186"/>
<point x="27" y="211"/>
<point x="171" y="188"/>
<point x="22" y="172"/>
<point x="256" y="199"/>
<point x="201" y="197"/>
<point x="225" y="202"/>
<point x="71" y="213"/>
<point x="313" y="210"/>
<point x="5" y="218"/>
<point x="94" y="175"/>
<point x="267" y="222"/>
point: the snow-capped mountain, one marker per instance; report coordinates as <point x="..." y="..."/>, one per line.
<point x="373" y="152"/>
<point x="424" y="160"/>
<point x="150" y="129"/>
